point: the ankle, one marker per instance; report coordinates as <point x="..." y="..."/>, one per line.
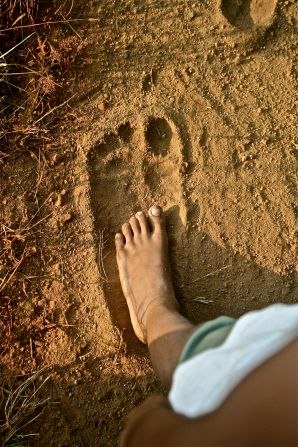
<point x="158" y="312"/>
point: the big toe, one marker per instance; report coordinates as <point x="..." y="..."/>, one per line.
<point x="156" y="218"/>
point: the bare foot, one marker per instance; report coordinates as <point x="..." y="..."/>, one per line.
<point x="144" y="270"/>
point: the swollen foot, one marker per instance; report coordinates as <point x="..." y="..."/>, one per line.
<point x="142" y="258"/>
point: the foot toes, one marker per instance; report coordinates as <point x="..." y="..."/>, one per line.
<point x="134" y="223"/>
<point x="143" y="222"/>
<point x="127" y="231"/>
<point x="119" y="241"/>
<point x="157" y="218"/>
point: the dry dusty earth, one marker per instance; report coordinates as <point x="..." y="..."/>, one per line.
<point x="189" y="104"/>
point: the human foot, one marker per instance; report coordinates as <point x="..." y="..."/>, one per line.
<point x="144" y="270"/>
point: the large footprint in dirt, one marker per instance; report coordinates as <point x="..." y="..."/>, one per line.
<point x="249" y="14"/>
<point x="130" y="170"/>
<point x="162" y="166"/>
<point x="113" y="180"/>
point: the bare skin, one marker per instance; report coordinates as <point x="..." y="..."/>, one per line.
<point x="262" y="411"/>
<point x="144" y="270"/>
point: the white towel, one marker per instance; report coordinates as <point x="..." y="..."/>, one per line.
<point x="202" y="383"/>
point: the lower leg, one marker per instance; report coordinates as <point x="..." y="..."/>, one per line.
<point x="167" y="334"/>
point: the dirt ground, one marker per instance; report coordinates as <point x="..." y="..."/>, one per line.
<point x="184" y="103"/>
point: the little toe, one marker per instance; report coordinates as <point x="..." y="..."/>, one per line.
<point x="156" y="218"/>
<point x="127" y="231"/>
<point x="119" y="241"/>
<point x="134" y="223"/>
<point x="143" y="222"/>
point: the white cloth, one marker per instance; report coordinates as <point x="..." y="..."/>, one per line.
<point x="202" y="383"/>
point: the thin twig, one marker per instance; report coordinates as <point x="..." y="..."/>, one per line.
<point x="34" y="215"/>
<point x="100" y="256"/>
<point x="211" y="274"/>
<point x="203" y="300"/>
<point x="37" y="223"/>
<point x="6" y="280"/>
<point x="31" y="348"/>
<point x="17" y="45"/>
<point x="61" y="262"/>
<point x="54" y="22"/>
<point x="22" y="73"/>
<point x="54" y="108"/>
<point x="19" y="406"/>
<point x="72" y="28"/>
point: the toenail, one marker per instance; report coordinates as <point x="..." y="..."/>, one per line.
<point x="139" y="213"/>
<point x="118" y="236"/>
<point x="155" y="211"/>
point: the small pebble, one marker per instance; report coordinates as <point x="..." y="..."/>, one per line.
<point x="58" y="202"/>
<point x="102" y="106"/>
<point x="66" y="218"/>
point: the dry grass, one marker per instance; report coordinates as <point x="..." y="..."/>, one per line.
<point x="16" y="246"/>
<point x="20" y="407"/>
<point x="15" y="12"/>
<point x="36" y="62"/>
<point x="14" y="251"/>
<point x="33" y="69"/>
<point x="101" y="247"/>
<point x="38" y="48"/>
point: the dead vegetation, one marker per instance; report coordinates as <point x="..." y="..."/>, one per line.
<point x="17" y="245"/>
<point x="20" y="406"/>
<point x="38" y="48"/>
<point x="36" y="70"/>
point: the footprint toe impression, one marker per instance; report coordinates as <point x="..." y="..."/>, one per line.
<point x="262" y="12"/>
<point x="158" y="136"/>
<point x="248" y="15"/>
<point x="162" y="163"/>
<point x="162" y="167"/>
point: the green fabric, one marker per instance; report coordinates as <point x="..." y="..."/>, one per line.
<point x="207" y="336"/>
